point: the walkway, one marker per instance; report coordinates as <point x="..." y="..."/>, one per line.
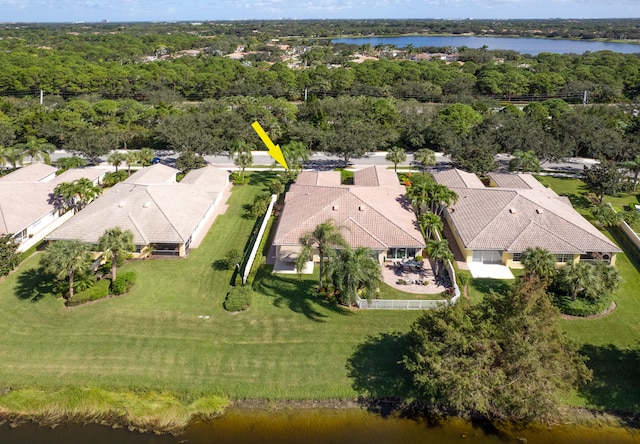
<point x="493" y="271"/>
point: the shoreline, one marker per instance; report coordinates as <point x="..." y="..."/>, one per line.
<point x="112" y="416"/>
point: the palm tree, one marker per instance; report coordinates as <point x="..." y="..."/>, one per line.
<point x="37" y="148"/>
<point x="243" y="160"/>
<point x="633" y="166"/>
<point x="324" y="238"/>
<point x="526" y="161"/>
<point x="354" y="273"/>
<point x="131" y="158"/>
<point x="425" y="157"/>
<point x="439" y="251"/>
<point x="538" y="263"/>
<point x="429" y="223"/>
<point x="116" y="242"/>
<point x="296" y="154"/>
<point x="14" y="155"/>
<point x="439" y="197"/>
<point x="116" y="159"/>
<point x="65" y="259"/>
<point x="3" y="159"/>
<point x="76" y="195"/>
<point x="146" y="155"/>
<point x="606" y="215"/>
<point x="396" y="155"/>
<point x="576" y="277"/>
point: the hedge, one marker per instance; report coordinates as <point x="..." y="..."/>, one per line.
<point x="238" y="298"/>
<point x="98" y="291"/>
<point x="123" y="283"/>
<point x="580" y="307"/>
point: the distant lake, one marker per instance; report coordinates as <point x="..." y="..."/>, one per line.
<point x="521" y="45"/>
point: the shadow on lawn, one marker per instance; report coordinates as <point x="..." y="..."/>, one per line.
<point x="377" y="374"/>
<point x="34" y="284"/>
<point x="297" y="294"/>
<point x="616" y="385"/>
<point x="485" y="285"/>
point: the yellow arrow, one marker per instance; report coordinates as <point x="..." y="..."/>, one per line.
<point x="274" y="150"/>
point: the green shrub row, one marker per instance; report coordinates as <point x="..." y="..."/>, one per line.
<point x="238" y="298"/>
<point x="98" y="291"/>
<point x="123" y="283"/>
<point x="260" y="255"/>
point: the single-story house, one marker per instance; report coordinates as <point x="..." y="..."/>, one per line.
<point x="27" y="207"/>
<point x="494" y="224"/>
<point x="164" y="215"/>
<point x="373" y="213"/>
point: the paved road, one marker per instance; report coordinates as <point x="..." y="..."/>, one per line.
<point x="324" y="161"/>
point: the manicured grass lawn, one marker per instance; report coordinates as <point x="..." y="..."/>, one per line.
<point x="290" y="344"/>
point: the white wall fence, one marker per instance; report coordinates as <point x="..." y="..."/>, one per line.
<point x="412" y="304"/>
<point x="631" y="235"/>
<point x="258" y="240"/>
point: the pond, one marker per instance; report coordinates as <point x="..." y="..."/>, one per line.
<point x="532" y="46"/>
<point x="323" y="426"/>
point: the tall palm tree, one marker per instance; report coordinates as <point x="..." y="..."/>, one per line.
<point x="296" y="154"/>
<point x="429" y="223"/>
<point x="396" y="155"/>
<point x="606" y="215"/>
<point x="425" y="157"/>
<point x="116" y="242"/>
<point x="37" y="148"/>
<point x="243" y="160"/>
<point x="526" y="161"/>
<point x="439" y="251"/>
<point x="15" y="156"/>
<point x="354" y="273"/>
<point x="538" y="263"/>
<point x="76" y="195"/>
<point x="439" y="197"/>
<point x="633" y="166"/>
<point x="116" y="159"/>
<point x="131" y="158"/>
<point x="146" y="156"/>
<point x="324" y="238"/>
<point x="65" y="259"/>
<point x="576" y="277"/>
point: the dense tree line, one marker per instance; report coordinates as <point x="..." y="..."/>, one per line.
<point x="345" y="126"/>
<point x="148" y="62"/>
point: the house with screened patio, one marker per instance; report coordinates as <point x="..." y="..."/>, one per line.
<point x="496" y="222"/>
<point x="373" y="213"/>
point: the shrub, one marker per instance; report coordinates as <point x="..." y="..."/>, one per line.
<point x="98" y="291"/>
<point x="236" y="178"/>
<point x="276" y="187"/>
<point x="112" y="178"/>
<point x="401" y="282"/>
<point x="123" y="283"/>
<point x="232" y="258"/>
<point x="239" y="298"/>
<point x="580" y="307"/>
<point x="464" y="277"/>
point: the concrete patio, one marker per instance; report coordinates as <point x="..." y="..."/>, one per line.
<point x="391" y="275"/>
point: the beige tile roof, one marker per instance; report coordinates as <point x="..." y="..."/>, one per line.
<point x="376" y="176"/>
<point x="324" y="179"/>
<point x="454" y="178"/>
<point x="154" y="174"/>
<point x="517" y="218"/>
<point x="368" y="216"/>
<point x="155" y="213"/>
<point x="33" y="173"/>
<point x="515" y="181"/>
<point x="25" y="197"/>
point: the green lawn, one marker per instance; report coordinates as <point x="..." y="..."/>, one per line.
<point x="289" y="345"/>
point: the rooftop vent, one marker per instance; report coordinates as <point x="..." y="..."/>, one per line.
<point x="121" y="204"/>
<point x="146" y="205"/>
<point x="539" y="210"/>
<point x="361" y="208"/>
<point x="512" y="210"/>
<point x="335" y="208"/>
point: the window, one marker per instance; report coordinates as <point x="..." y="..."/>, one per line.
<point x="516" y="257"/>
<point x="563" y="257"/>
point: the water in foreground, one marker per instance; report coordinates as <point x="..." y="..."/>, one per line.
<point x="321" y="426"/>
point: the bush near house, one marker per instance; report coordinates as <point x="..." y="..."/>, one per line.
<point x="238" y="299"/>
<point x="123" y="283"/>
<point x="98" y="291"/>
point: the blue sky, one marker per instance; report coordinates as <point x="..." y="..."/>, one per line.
<point x="200" y="10"/>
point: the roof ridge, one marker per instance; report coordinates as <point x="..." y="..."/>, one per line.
<point x="135" y="224"/>
<point x="367" y="231"/>
<point x="168" y="219"/>
<point x="532" y="222"/>
<point x="382" y="215"/>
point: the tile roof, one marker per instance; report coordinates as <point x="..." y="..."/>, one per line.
<point x="325" y="178"/>
<point x="25" y="197"/>
<point x="516" y="181"/>
<point x="455" y="178"/>
<point x="154" y="212"/>
<point x="368" y="215"/>
<point x="512" y="219"/>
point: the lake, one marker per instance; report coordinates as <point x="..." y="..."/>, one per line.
<point x="522" y="45"/>
<point x="354" y="426"/>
